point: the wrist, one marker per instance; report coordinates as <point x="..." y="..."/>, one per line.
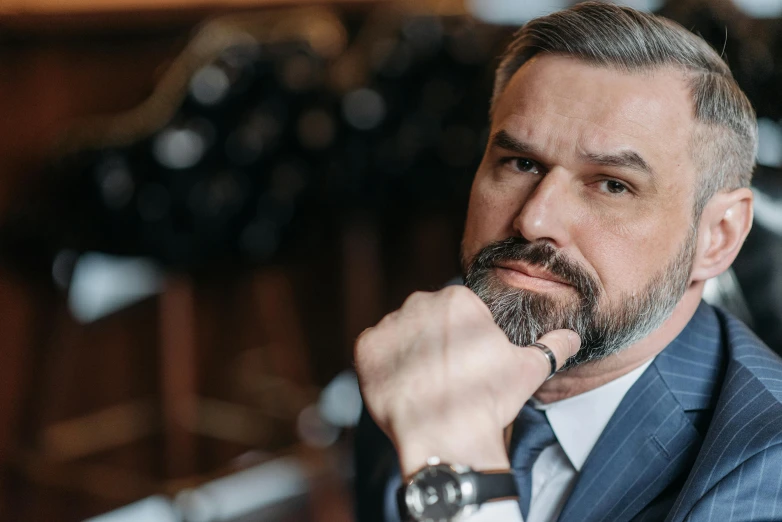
<point x="479" y="453"/>
<point x="442" y="491"/>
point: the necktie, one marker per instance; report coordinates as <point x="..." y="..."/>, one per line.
<point x="531" y="434"/>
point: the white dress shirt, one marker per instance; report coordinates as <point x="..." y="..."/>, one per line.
<point x="577" y="423"/>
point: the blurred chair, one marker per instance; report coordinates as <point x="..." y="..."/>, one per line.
<point x="211" y="171"/>
<point x="752" y="288"/>
<point x="758" y="267"/>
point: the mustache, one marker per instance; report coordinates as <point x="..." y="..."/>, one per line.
<point x="539" y="254"/>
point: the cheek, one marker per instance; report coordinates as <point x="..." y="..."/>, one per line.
<point x="490" y="216"/>
<point x="627" y="254"/>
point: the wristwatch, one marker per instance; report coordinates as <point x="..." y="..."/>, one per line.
<point x="441" y="492"/>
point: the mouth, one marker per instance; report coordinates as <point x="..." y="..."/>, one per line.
<point x="523" y="275"/>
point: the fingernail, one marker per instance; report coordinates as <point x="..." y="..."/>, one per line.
<point x="574" y="340"/>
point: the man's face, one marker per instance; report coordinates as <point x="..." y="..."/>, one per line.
<point x="581" y="211"/>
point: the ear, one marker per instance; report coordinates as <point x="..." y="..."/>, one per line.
<point x="724" y="224"/>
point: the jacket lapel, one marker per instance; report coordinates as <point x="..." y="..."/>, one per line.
<point x="652" y="439"/>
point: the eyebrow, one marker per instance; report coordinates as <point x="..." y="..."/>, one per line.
<point x="628" y="159"/>
<point x="505" y="141"/>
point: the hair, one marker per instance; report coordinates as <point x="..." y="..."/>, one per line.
<point x="724" y="143"/>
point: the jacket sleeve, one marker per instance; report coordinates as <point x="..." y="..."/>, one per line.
<point x="752" y="491"/>
<point x="376" y="468"/>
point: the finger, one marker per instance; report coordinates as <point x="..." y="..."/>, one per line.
<point x="533" y="367"/>
<point x="562" y="343"/>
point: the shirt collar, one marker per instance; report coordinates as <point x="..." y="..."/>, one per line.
<point x="578" y="421"/>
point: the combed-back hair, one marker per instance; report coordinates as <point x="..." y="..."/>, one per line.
<point x="724" y="143"/>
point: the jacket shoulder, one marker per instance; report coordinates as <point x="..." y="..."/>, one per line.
<point x="748" y="415"/>
<point x="748" y="353"/>
<point x="750" y="492"/>
<point x="743" y="442"/>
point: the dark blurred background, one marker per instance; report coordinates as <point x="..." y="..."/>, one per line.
<point x="202" y="204"/>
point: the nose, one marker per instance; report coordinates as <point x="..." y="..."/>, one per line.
<point x="548" y="210"/>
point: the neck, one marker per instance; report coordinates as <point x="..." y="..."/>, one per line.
<point x="595" y="374"/>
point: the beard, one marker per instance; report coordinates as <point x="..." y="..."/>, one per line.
<point x="605" y="328"/>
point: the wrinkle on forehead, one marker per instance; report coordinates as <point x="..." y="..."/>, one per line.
<point x="609" y="108"/>
<point x="598" y="124"/>
<point x="588" y="112"/>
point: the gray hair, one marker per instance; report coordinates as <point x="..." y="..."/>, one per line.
<point x="724" y="143"/>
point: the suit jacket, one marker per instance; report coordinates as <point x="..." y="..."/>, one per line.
<point x="698" y="438"/>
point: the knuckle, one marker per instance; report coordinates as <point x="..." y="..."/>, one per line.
<point x="414" y="298"/>
<point x="458" y="293"/>
<point x="388" y="318"/>
<point x="361" y="348"/>
<point x="452" y="291"/>
<point x="476" y="304"/>
<point x="361" y="341"/>
<point x="463" y="305"/>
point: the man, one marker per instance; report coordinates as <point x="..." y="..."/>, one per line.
<point x="614" y="184"/>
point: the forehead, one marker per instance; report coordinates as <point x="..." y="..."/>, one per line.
<point x="572" y="106"/>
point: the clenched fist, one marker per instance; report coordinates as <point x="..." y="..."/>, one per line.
<point x="440" y="378"/>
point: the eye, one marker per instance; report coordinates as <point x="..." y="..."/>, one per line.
<point x="524" y="165"/>
<point x="614" y="187"/>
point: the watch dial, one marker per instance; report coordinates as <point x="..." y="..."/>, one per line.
<point x="435" y="494"/>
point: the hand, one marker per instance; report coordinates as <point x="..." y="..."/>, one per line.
<point x="440" y="378"/>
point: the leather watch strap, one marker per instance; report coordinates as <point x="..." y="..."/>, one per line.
<point x="493" y="486"/>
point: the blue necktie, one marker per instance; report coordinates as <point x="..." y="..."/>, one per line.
<point x="531" y="434"/>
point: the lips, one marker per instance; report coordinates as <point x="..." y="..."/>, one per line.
<point x="531" y="271"/>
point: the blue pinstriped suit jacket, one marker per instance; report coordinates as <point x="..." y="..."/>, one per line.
<point x="697" y="438"/>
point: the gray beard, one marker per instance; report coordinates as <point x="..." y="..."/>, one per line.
<point x="605" y="329"/>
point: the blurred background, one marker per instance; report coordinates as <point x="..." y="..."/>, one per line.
<point x="203" y="203"/>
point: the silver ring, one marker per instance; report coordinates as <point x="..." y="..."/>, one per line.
<point x="552" y="359"/>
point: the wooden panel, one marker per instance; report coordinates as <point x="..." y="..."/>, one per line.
<point x="91" y="6"/>
<point x="47" y="86"/>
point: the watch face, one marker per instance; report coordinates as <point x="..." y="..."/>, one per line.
<point x="434" y="494"/>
